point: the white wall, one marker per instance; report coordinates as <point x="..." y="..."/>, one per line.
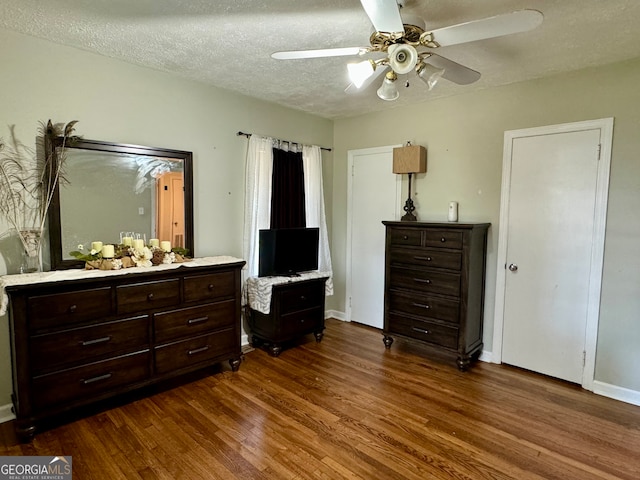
<point x="464" y="140"/>
<point x="119" y="102"/>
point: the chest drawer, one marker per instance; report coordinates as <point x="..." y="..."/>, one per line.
<point x="425" y="306"/>
<point x="435" y="333"/>
<point x="90" y="380"/>
<point x="299" y="297"/>
<point x="82" y="345"/>
<point x="67" y="308"/>
<point x="426" y="258"/>
<point x="443" y="239"/>
<point x="301" y="322"/>
<point x="145" y="296"/>
<point x="205" y="348"/>
<point x="405" y="237"/>
<point x="426" y="281"/>
<point x="202" y="288"/>
<point x="192" y="321"/>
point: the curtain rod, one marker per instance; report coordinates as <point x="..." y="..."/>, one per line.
<point x="288" y="141"/>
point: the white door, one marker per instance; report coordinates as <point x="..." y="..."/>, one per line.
<point x="552" y="232"/>
<point x="374" y="195"/>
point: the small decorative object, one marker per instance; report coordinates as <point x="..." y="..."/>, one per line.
<point x="154" y="242"/>
<point x="116" y="257"/>
<point x="97" y="246"/>
<point x="452" y="216"/>
<point x="165" y="246"/>
<point x="28" y="179"/>
<point x="409" y="159"/>
<point x="108" y="251"/>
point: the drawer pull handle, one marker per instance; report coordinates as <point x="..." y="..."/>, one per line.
<point x="99" y="378"/>
<point x="426" y="259"/>
<point x="194" y="321"/>
<point x="210" y="286"/>
<point x="195" y="351"/>
<point x="150" y="297"/>
<point x="405" y="237"/>
<point x="422" y="280"/>
<point x="73" y="308"/>
<point x="443" y="239"/>
<point x="420" y="330"/>
<point x="420" y="305"/>
<point x="86" y="343"/>
<point x="302" y="297"/>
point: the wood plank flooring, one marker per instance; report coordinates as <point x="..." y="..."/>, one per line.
<point x="349" y="409"/>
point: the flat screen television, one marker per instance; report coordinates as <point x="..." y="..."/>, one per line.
<point x="287" y="251"/>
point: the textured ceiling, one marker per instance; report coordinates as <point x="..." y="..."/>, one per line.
<point x="228" y="44"/>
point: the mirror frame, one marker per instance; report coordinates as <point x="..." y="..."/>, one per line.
<point x="58" y="262"/>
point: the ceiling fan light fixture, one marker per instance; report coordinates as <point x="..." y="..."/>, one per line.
<point x="429" y="74"/>
<point x="402" y="57"/>
<point x="359" y="72"/>
<point x="388" y="90"/>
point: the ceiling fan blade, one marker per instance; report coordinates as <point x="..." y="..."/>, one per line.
<point x="384" y="15"/>
<point x="324" y="52"/>
<point x="454" y="72"/>
<point x="491" y="27"/>
<point x="379" y="71"/>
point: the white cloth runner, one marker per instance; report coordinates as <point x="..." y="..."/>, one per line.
<point x="75" y="274"/>
<point x="257" y="290"/>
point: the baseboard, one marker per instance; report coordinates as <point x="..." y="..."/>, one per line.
<point x="617" y="393"/>
<point x="244" y="340"/>
<point x="335" y="314"/>
<point x="6" y="415"/>
<point x="486" y="356"/>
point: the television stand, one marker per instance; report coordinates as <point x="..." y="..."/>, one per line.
<point x="295" y="308"/>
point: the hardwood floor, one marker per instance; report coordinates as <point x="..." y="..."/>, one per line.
<point x="349" y="409"/>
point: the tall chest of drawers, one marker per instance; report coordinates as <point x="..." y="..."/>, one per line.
<point x="434" y="286"/>
<point x="76" y="342"/>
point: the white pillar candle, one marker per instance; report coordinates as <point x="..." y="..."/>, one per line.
<point x="453" y="212"/>
<point x="165" y="245"/>
<point x="127" y="241"/>
<point x="138" y="244"/>
<point x="108" y="251"/>
<point x="97" y="246"/>
<point x="154" y="242"/>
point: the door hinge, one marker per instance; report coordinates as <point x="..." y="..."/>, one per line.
<point x="584" y="358"/>
<point x="599" y="150"/>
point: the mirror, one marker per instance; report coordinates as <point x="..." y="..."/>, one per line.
<point x="111" y="189"/>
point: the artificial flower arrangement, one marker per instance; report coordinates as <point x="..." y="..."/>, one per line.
<point x="116" y="257"/>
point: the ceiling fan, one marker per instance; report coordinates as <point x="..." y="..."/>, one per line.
<point x="408" y="47"/>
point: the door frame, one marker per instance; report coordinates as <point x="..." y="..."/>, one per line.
<point x="351" y="154"/>
<point x="605" y="125"/>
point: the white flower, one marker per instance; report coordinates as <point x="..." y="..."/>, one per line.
<point x="142" y="258"/>
<point x="80" y="247"/>
<point x="94" y="251"/>
<point x="116" y="264"/>
<point x="169" y="258"/>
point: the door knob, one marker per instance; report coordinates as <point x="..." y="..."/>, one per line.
<point x="513" y="267"/>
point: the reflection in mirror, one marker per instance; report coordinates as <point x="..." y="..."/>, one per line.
<point x="111" y="190"/>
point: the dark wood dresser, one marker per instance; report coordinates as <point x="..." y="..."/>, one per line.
<point x="434" y="286"/>
<point x="79" y="341"/>
<point x="296" y="309"/>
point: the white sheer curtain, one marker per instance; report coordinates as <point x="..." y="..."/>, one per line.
<point x="259" y="170"/>
<point x="314" y="206"/>
<point x="257" y="201"/>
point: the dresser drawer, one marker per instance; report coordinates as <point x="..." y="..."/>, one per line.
<point x="442" y="335"/>
<point x="426" y="281"/>
<point x="202" y="288"/>
<point x="205" y="348"/>
<point x="425" y="306"/>
<point x="406" y="237"/>
<point x="426" y="258"/>
<point x="145" y="296"/>
<point x="193" y="321"/>
<point x="299" y="297"/>
<point x="90" y="380"/>
<point x="301" y="322"/>
<point x="63" y="309"/>
<point x="82" y="345"/>
<point x="443" y="239"/>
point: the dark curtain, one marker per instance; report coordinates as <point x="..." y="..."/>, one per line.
<point x="287" y="197"/>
